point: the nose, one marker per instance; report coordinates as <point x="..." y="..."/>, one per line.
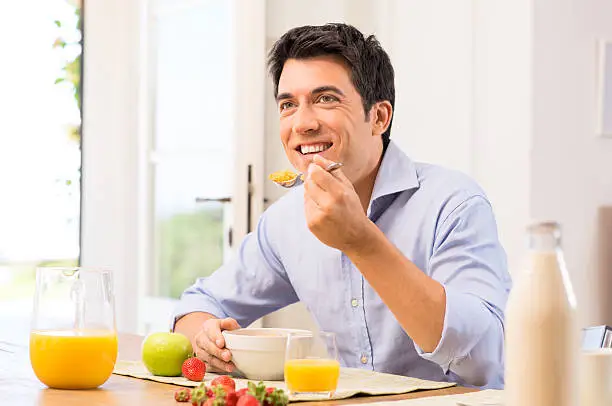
<point x="305" y="121"/>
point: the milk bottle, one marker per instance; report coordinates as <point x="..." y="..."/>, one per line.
<point x="542" y="343"/>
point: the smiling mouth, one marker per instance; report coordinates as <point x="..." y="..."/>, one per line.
<point x="313" y="148"/>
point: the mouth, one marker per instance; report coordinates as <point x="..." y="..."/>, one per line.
<point x="308" y="149"/>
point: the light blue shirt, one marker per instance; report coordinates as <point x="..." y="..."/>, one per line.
<point x="440" y="219"/>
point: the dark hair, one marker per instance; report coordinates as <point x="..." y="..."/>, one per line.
<point x="371" y="70"/>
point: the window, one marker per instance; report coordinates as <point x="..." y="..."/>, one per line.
<point x="40" y="153"/>
<point x="205" y="147"/>
<point x="192" y="145"/>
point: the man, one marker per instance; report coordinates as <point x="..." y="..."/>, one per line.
<point x="401" y="260"/>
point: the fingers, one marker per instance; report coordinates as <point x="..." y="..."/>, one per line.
<point x="211" y="345"/>
<point x="225" y="324"/>
<point x="216" y="365"/>
<point x="327" y="193"/>
<point x="324" y="188"/>
<point x="214" y="356"/>
<point x="315" y="194"/>
<point x="328" y="181"/>
<point x="324" y="163"/>
<point x="321" y="178"/>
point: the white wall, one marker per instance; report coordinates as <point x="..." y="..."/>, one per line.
<point x="572" y="168"/>
<point x="502" y="113"/>
<point x="431" y="52"/>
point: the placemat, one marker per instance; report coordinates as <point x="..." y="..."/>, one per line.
<point x="352" y="381"/>
<point x="489" y="397"/>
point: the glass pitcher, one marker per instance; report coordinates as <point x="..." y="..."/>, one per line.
<point x="73" y="339"/>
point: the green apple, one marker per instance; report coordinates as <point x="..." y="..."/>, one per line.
<point x="163" y="353"/>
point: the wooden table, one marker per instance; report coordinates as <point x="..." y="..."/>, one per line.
<point x="19" y="386"/>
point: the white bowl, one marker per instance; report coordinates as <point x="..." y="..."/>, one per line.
<point x="259" y="353"/>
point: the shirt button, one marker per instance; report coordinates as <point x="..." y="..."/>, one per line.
<point x="354" y="302"/>
<point x="364" y="359"/>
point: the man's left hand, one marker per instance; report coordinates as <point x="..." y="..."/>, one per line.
<point x="334" y="213"/>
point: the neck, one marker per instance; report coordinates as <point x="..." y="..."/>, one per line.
<point x="365" y="186"/>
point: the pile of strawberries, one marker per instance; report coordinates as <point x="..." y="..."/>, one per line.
<point x="222" y="392"/>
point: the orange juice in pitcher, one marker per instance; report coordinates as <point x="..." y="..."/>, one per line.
<point x="73" y="341"/>
<point x="72" y="359"/>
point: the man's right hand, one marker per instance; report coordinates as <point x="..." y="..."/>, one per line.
<point x="210" y="344"/>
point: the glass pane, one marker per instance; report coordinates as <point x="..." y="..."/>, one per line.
<point x="189" y="235"/>
<point x="192" y="141"/>
<point x="193" y="86"/>
<point x="40" y="156"/>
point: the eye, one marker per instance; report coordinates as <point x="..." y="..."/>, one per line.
<point x="327" y="98"/>
<point x="286" y="105"/>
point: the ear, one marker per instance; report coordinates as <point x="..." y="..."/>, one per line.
<point x="380" y="117"/>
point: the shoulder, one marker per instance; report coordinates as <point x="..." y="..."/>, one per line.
<point x="448" y="190"/>
<point x="442" y="181"/>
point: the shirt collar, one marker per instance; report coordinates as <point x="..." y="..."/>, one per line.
<point x="397" y="173"/>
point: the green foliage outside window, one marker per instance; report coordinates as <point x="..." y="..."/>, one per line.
<point x="190" y="245"/>
<point x="71" y="72"/>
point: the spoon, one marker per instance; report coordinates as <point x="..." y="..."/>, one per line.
<point x="298" y="179"/>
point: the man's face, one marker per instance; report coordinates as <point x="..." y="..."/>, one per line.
<point x="321" y="112"/>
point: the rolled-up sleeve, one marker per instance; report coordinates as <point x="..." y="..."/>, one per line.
<point x="469" y="261"/>
<point x="251" y="285"/>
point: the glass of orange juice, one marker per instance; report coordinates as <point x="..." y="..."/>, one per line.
<point x="73" y="340"/>
<point x="311" y="364"/>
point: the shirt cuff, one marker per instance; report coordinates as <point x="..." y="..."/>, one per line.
<point x="462" y="329"/>
<point x="191" y="303"/>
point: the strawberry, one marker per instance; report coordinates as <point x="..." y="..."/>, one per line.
<point x="182" y="395"/>
<point x="231" y="399"/>
<point x="194" y="369"/>
<point x="220" y="396"/>
<point x="276" y="397"/>
<point x="268" y="396"/>
<point x="248" y="400"/>
<point x="210" y="391"/>
<point x="198" y="395"/>
<point x="258" y="391"/>
<point x="224" y="396"/>
<point x="220" y="393"/>
<point x="225" y="381"/>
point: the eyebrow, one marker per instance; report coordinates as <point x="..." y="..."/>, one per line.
<point x="320" y="89"/>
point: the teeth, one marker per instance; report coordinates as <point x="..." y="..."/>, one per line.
<point x="310" y="149"/>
